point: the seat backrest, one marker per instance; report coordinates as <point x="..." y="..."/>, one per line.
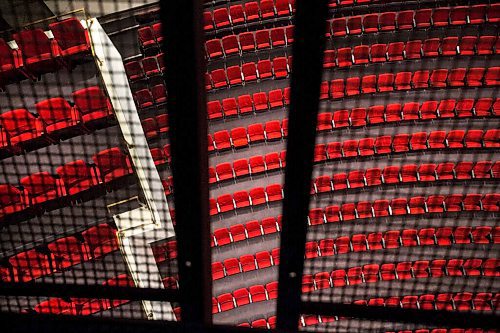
<point x="90" y="99"/>
<point x="54" y="110"/>
<point x="69" y="33"/>
<point x="33" y="42"/>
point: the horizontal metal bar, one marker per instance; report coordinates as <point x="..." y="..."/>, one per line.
<point x="88" y="291"/>
<point x="438" y="318"/>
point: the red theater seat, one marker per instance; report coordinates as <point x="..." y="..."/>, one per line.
<point x="30" y="265"/>
<point x="67" y="252"/>
<point x="101" y="239"/>
<point x="93" y="105"/>
<point x="112" y="164"/>
<point x="40" y="53"/>
<point x="23" y="127"/>
<point x="71" y="37"/>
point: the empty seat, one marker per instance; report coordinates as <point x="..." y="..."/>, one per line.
<point x="72" y="38"/>
<point x="11" y="200"/>
<point x="42" y="188"/>
<point x="101" y="239"/>
<point x="30" y="265"/>
<point x="247" y="41"/>
<point x="78" y="176"/>
<point x="144" y="98"/>
<point x="67" y="252"/>
<point x="385" y="82"/>
<point x="467" y="45"/>
<point x="40" y="53"/>
<point x="222" y="140"/>
<point x="214" y="110"/>
<point x="219" y="78"/>
<point x="146" y="36"/>
<point x="438" y="78"/>
<point x="395" y="51"/>
<point x="234" y="75"/>
<point x="420" y="79"/>
<point x="278" y="37"/>
<point x="256" y="133"/>
<point x="474" y="77"/>
<point x="23" y="127"/>
<point x="413" y="49"/>
<point x="405" y="20"/>
<point x="264" y="69"/>
<point x="93" y="105"/>
<point x="112" y="164"/>
<point x="263" y="39"/>
<point x="230" y="45"/>
<point x="423" y="18"/>
<point x="403" y="81"/>
<point x="344" y="57"/>
<point x="280" y="67"/>
<point x="378" y="52"/>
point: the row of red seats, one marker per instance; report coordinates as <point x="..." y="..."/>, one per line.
<point x="361" y="54"/>
<point x="413" y="19"/>
<point x="249" y="41"/>
<point x="150" y="35"/>
<point x="361" y="210"/>
<point x="422" y="79"/>
<point x="147" y="67"/>
<point x="414" y="49"/>
<point x="364" y="209"/>
<point x="247" y="104"/>
<point x="445" y="330"/>
<point x="154" y="127"/>
<point x="277" y="68"/>
<point x="63" y="253"/>
<point x="243" y="296"/>
<point x="447" y="108"/>
<point x="85" y="306"/>
<point x="37" y="54"/>
<point x="339" y="88"/>
<point x="241" y="199"/>
<point x="463" y="301"/>
<point x="264" y="259"/>
<point x="42" y="190"/>
<point x="155" y="96"/>
<point x="431" y="109"/>
<point x="56" y="119"/>
<point x="406" y="173"/>
<point x="253" y="11"/>
<point x="400" y="271"/>
<point x="386" y="144"/>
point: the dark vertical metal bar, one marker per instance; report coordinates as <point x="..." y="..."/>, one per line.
<point x="308" y="49"/>
<point x="184" y="59"/>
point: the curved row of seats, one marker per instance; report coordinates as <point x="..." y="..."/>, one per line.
<point x="359" y="243"/>
<point x="365" y="147"/>
<point x="400" y="174"/>
<point x="42" y="191"/>
<point x="463" y="301"/>
<point x="361" y="178"/>
<point x="249" y="12"/>
<point x="147" y="67"/>
<point x="56" y="119"/>
<point x="279" y="68"/>
<point x="35" y="53"/>
<point x="148" y="97"/>
<point x="60" y="254"/>
<point x="453" y="203"/>
<point x="387" y="21"/>
<point x="372" y="273"/>
<point x="85" y="306"/>
<point x="392" y="239"/>
<point x="376" y="114"/>
<point x="386" y="144"/>
<point x="360" y="54"/>
<point x="413" y="19"/>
